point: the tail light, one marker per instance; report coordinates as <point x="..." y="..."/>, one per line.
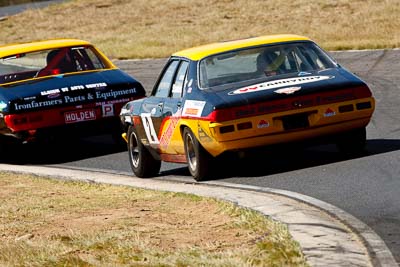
<point x="18" y="122"/>
<point x="362" y="92"/>
<point x="221" y="115"/>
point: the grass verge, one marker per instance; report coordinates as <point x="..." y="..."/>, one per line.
<point x="46" y="222"/>
<point x="156" y="28"/>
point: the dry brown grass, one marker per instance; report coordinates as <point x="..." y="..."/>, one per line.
<point x="157" y="28"/>
<point x="47" y="222"/>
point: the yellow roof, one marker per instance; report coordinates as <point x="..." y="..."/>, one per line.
<point x="12" y="49"/>
<point x="199" y="52"/>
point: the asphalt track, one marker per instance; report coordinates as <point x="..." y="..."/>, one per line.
<point x="366" y="188"/>
<point x="14" y="9"/>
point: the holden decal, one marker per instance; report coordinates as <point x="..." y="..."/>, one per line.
<point x="288" y="90"/>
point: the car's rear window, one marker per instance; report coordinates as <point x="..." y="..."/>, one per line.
<point x="24" y="66"/>
<point x="255" y="63"/>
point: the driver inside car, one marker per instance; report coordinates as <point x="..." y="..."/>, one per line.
<point x="270" y="63"/>
<point x="58" y="61"/>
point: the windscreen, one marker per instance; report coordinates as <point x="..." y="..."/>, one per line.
<point x="257" y="63"/>
<point x="24" y="66"/>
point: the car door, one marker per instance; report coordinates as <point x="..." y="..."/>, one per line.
<point x="153" y="111"/>
<point x="170" y="137"/>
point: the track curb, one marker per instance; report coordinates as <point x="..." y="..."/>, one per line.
<point x="378" y="251"/>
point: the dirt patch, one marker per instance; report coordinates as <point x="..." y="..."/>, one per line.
<point x="168" y="224"/>
<point x="194" y="224"/>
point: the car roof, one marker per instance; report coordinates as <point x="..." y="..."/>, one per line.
<point x="199" y="52"/>
<point x="12" y="49"/>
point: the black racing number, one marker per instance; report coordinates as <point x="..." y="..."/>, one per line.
<point x="149" y="128"/>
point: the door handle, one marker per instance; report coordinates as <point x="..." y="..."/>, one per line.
<point x="160" y="105"/>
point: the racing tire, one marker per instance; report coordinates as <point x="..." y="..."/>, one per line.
<point x="198" y="159"/>
<point x="352" y="142"/>
<point x="143" y="164"/>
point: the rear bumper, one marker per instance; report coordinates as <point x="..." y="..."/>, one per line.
<point x="328" y="131"/>
<point x="291" y="126"/>
<point x="85" y="120"/>
<point x="81" y="129"/>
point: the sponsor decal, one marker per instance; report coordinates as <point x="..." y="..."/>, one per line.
<point x="74" y="88"/>
<point x="51" y="93"/>
<point x="191" y="111"/>
<point x="114" y="94"/>
<point x="79" y="115"/>
<point x="262" y="124"/>
<point x="167" y="134"/>
<point x="96" y="85"/>
<point x="55" y="98"/>
<point x="107" y="110"/>
<point x="193" y="108"/>
<point x="121" y="100"/>
<point x="290" y="82"/>
<point x="38" y="104"/>
<point x="288" y="90"/>
<point x="329" y="113"/>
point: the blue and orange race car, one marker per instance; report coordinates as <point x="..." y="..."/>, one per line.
<point x="243" y="94"/>
<point x="60" y="87"/>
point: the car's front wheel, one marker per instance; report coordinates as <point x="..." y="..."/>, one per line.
<point x="198" y="159"/>
<point x="143" y="164"/>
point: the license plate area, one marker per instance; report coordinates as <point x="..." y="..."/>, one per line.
<point x="296" y="121"/>
<point x="79" y="115"/>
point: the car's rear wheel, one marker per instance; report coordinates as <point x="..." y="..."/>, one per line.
<point x="199" y="160"/>
<point x="143" y="164"/>
<point x="352" y="142"/>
